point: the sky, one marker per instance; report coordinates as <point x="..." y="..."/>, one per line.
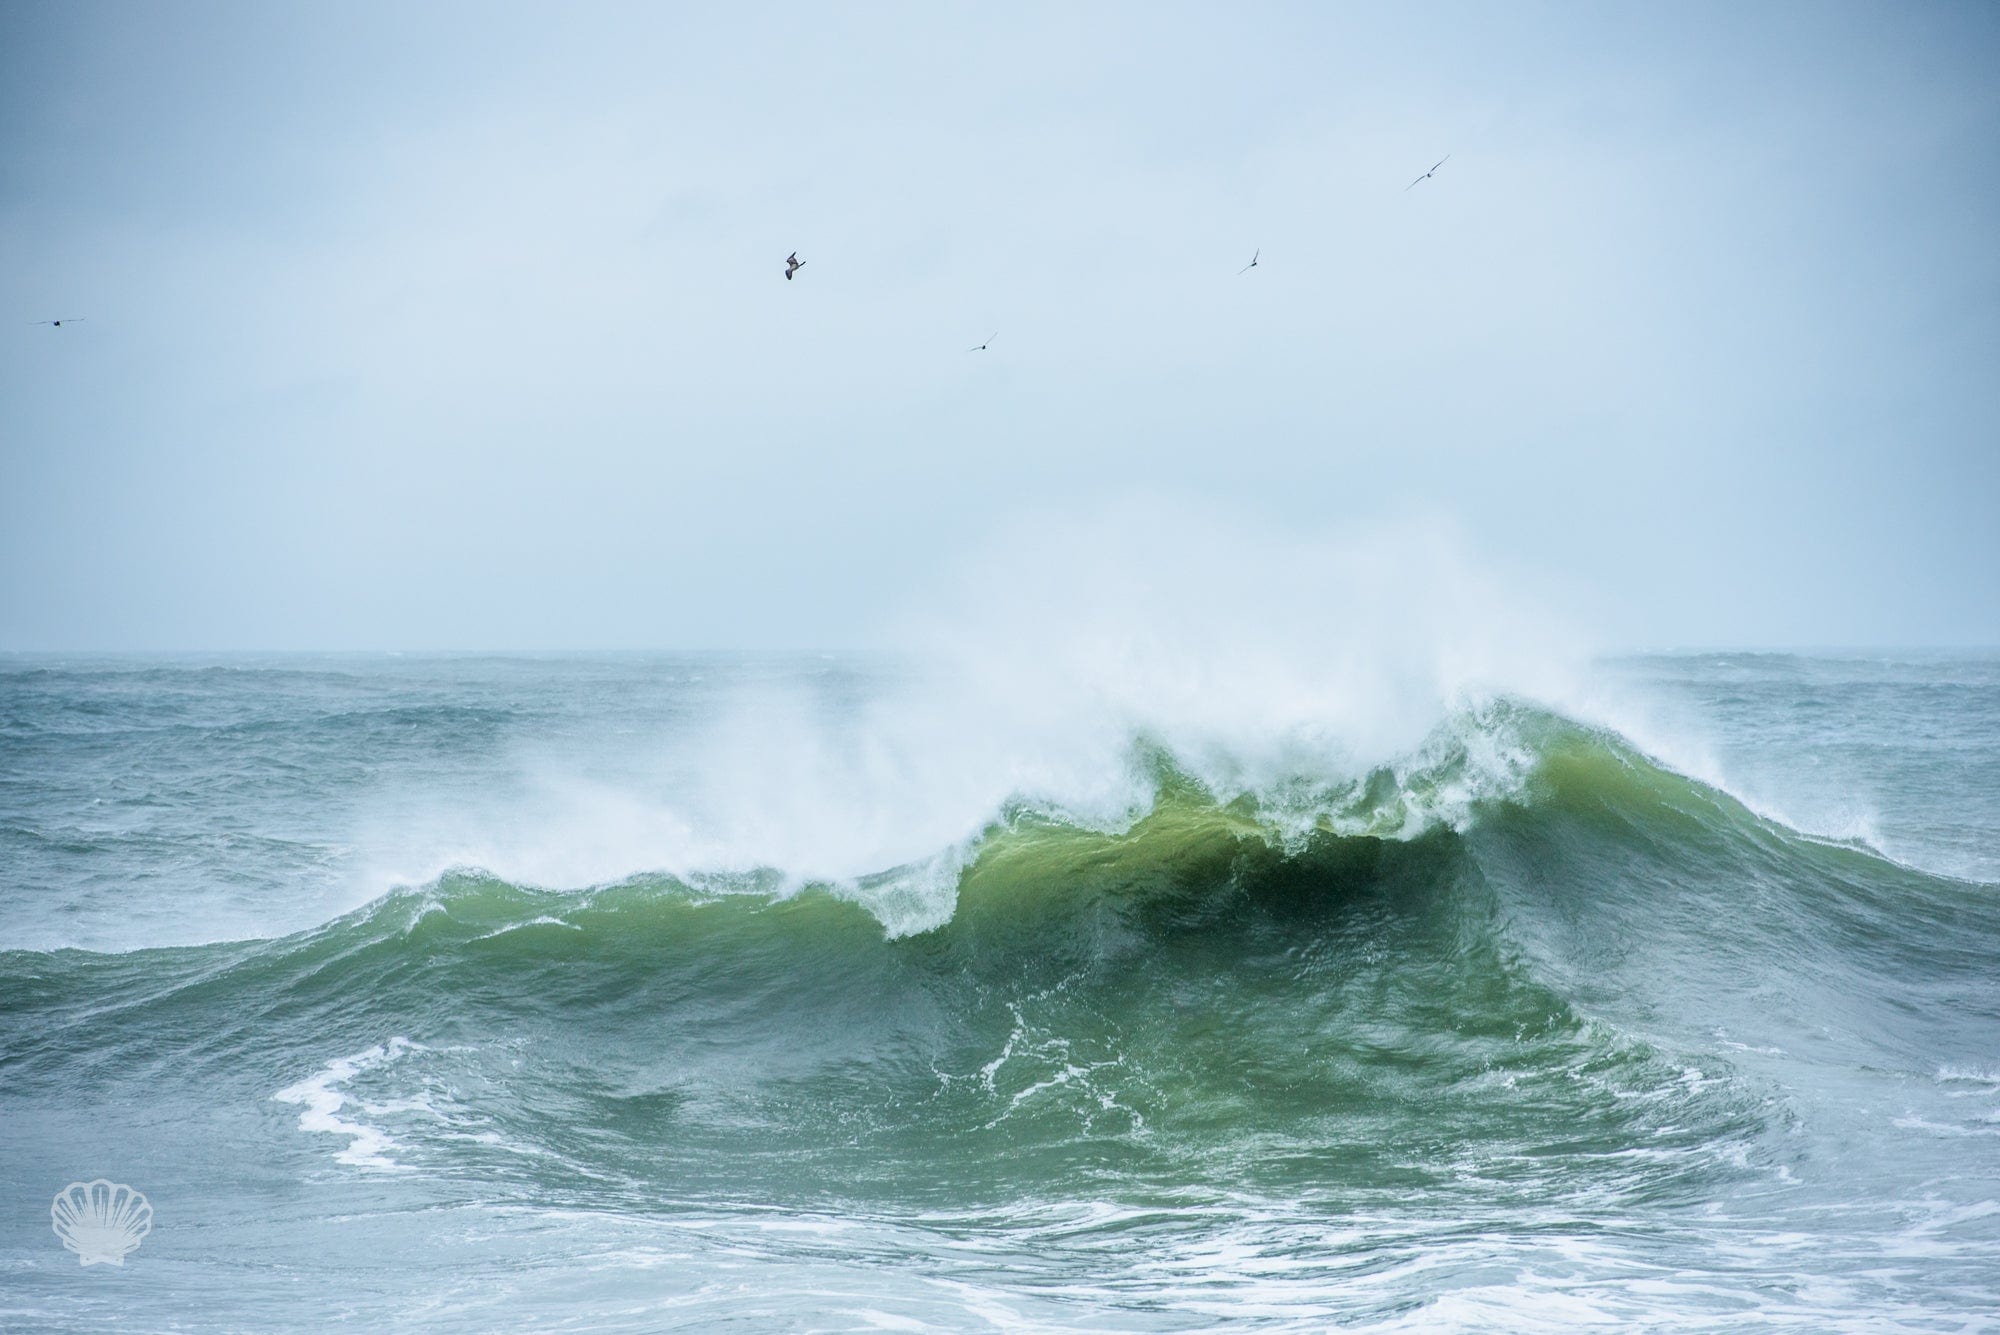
<point x="464" y="326"/>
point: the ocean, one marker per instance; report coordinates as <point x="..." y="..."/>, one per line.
<point x="796" y="992"/>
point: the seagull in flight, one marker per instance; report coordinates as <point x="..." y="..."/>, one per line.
<point x="987" y="344"/>
<point x="1252" y="264"/>
<point x="67" y="319"/>
<point x="792" y="265"/>
<point x="1427" y="175"/>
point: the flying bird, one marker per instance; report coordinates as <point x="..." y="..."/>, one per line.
<point x="988" y="343"/>
<point x="67" y="319"/>
<point x="792" y="265"/>
<point x="1252" y="264"/>
<point x="1427" y="175"/>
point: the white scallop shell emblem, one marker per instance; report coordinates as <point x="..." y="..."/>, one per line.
<point x="101" y="1220"/>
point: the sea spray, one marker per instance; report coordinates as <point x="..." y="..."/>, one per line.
<point x="1048" y="673"/>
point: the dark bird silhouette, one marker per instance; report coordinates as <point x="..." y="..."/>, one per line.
<point x="792" y="265"/>
<point x="983" y="346"/>
<point x="67" y="319"/>
<point x="1253" y="262"/>
<point x="1427" y="175"/>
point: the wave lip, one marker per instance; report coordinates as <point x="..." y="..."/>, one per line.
<point x="1289" y="791"/>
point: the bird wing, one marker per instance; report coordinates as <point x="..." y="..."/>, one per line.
<point x="1414" y="184"/>
<point x="1440" y="162"/>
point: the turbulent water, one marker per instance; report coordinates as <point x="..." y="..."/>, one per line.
<point x="473" y="994"/>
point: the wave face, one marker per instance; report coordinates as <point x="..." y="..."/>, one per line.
<point x="1513" y="1024"/>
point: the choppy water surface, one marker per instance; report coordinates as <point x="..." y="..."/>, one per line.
<point x="635" y="993"/>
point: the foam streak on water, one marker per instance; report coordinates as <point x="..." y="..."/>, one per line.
<point x="323" y="1096"/>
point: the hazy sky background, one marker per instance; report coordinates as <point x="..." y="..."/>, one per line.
<point x="464" y="326"/>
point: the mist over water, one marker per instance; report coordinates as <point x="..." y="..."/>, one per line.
<point x="1185" y="925"/>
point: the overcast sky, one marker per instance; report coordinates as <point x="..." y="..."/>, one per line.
<point x="465" y="326"/>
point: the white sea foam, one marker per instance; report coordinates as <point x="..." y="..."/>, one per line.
<point x="323" y="1099"/>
